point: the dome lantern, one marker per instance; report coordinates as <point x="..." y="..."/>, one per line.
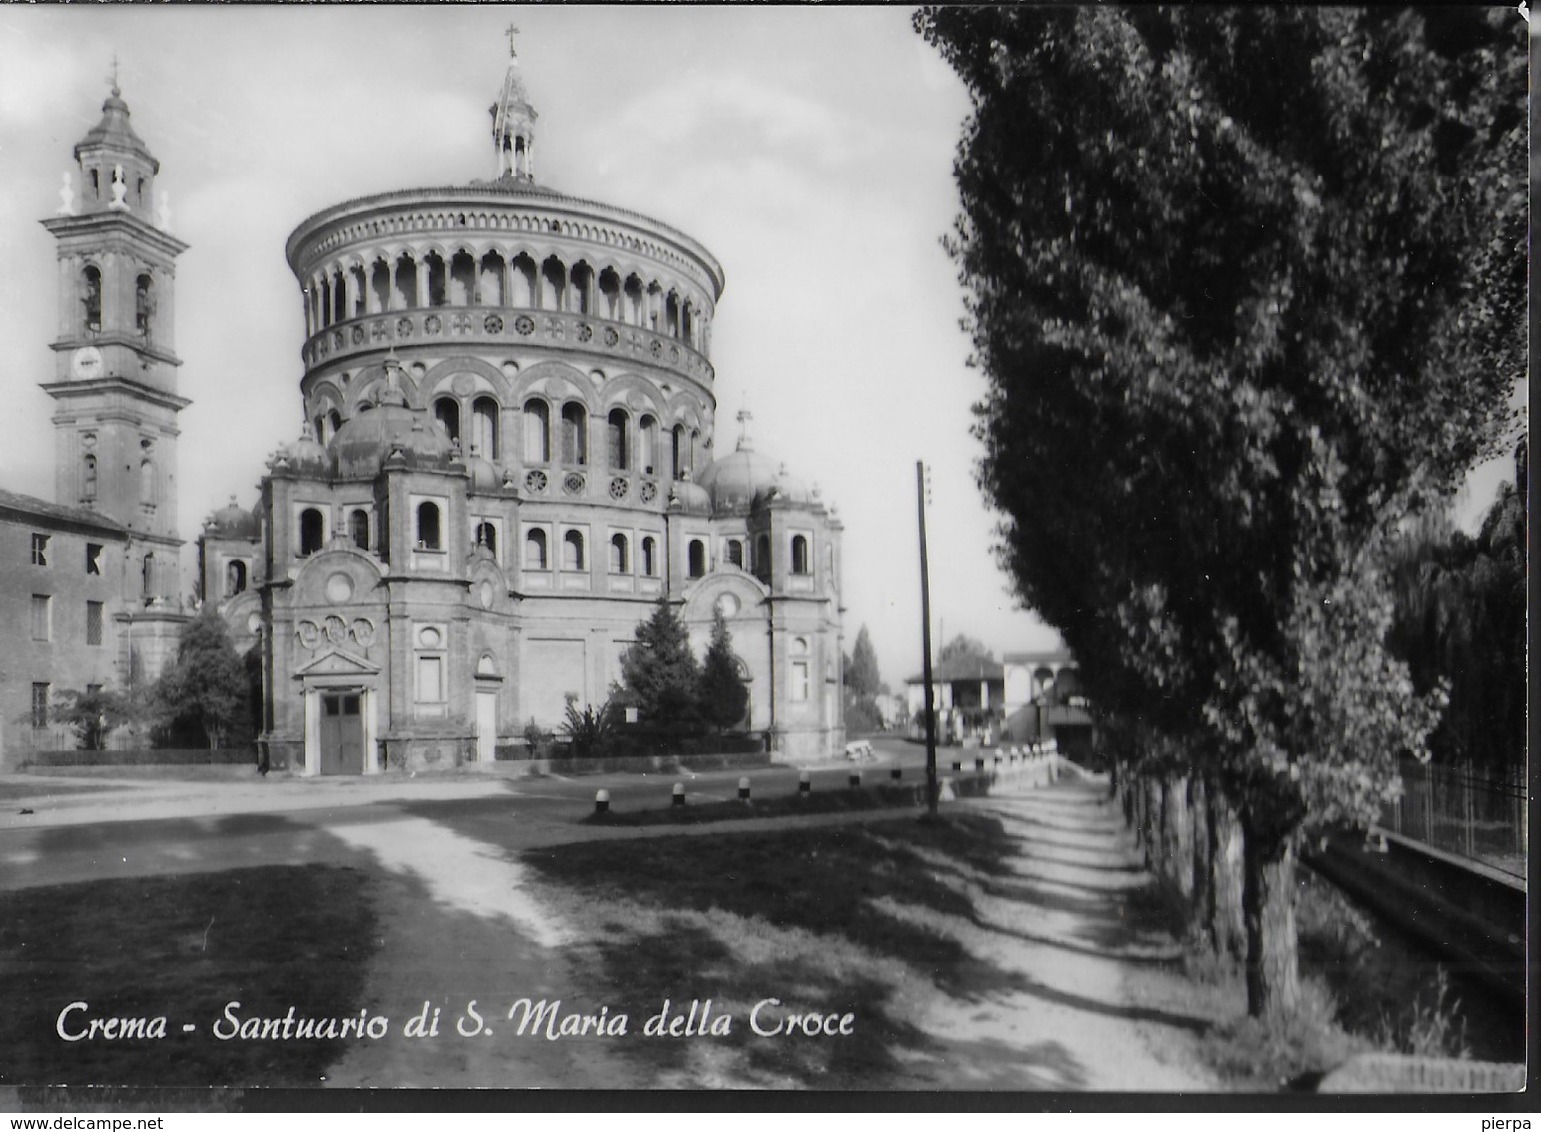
<point x="513" y="122"/>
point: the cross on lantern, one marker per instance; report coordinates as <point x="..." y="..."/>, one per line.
<point x="512" y="31"/>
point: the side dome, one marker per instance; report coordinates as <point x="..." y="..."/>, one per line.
<point x="484" y="477"/>
<point x="308" y="455"/>
<point x="232" y="521"/>
<point x="372" y="435"/>
<point x="734" y="481"/>
<point x="691" y="498"/>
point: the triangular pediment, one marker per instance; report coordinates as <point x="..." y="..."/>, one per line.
<point x="336" y="663"/>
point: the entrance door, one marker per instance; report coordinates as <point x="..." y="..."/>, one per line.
<point x="486" y="726"/>
<point x="342" y="733"/>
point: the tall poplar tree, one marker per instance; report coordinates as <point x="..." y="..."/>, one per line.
<point x="1248" y="286"/>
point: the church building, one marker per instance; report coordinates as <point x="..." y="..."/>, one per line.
<point x="509" y="455"/>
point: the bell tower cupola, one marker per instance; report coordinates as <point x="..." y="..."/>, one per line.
<point x="513" y="122"/>
<point x="115" y="369"/>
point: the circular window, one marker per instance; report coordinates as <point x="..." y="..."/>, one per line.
<point x="486" y="595"/>
<point x="339" y="588"/>
<point x="728" y="606"/>
<point x="429" y="637"/>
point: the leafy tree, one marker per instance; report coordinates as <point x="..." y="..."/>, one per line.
<point x="93" y="714"/>
<point x="207" y="686"/>
<point x="1247" y="285"/>
<point x="1460" y="620"/>
<point x="660" y="675"/>
<point x="963" y="645"/>
<point x="724" y="697"/>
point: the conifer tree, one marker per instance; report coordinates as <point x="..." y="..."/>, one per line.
<point x="660" y="674"/>
<point x="724" y="697"/>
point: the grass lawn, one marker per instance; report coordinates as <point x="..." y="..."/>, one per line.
<point x="802" y="915"/>
<point x="181" y="947"/>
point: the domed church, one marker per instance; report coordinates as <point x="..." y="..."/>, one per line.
<point x="508" y="457"/>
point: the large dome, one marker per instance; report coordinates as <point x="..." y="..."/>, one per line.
<point x="232" y="521"/>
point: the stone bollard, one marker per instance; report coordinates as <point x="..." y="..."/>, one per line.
<point x="804" y="783"/>
<point x="602" y="802"/>
<point x="957" y="767"/>
<point x="854" y="780"/>
<point x="896" y="774"/>
<point x="679" y="793"/>
<point x="979" y="764"/>
<point x="743" y="789"/>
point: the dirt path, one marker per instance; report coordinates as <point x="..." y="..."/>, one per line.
<point x="1055" y="941"/>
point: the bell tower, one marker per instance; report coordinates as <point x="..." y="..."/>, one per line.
<point x="115" y="369"/>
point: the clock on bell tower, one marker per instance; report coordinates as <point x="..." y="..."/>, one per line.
<point x="115" y="370"/>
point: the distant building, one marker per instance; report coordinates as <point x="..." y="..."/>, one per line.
<point x="1028" y="697"/>
<point x="89" y="582"/>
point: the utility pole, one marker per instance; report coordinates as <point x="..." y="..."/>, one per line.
<point x="925" y="642"/>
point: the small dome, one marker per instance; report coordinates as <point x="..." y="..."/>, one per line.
<point x="692" y="498"/>
<point x="734" y="481"/>
<point x="232" y="521"/>
<point x="365" y="440"/>
<point x="787" y="488"/>
<point x="484" y="477"/>
<point x="307" y="454"/>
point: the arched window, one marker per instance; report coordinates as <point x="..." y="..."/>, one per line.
<point x="736" y="552"/>
<point x="648" y="442"/>
<point x="535" y="550"/>
<point x="800" y="669"/>
<point x="572" y="551"/>
<point x="537" y="431"/>
<point x="575" y="438"/>
<point x="334" y="422"/>
<point x="697" y="558"/>
<point x="438" y="290"/>
<point x="235" y="578"/>
<point x="339" y="298"/>
<point x="360" y="290"/>
<point x="404" y="294"/>
<point x="88" y="479"/>
<point x="616" y="435"/>
<point x="610" y="294"/>
<point x="462" y="279"/>
<point x="633" y="300"/>
<point x="521" y="281"/>
<point x="144" y="303"/>
<point x="312" y="531"/>
<point x="487" y="535"/>
<point x="489" y="283"/>
<point x="799" y="554"/>
<point x="147" y="576"/>
<point x="446" y="410"/>
<point x="484" y="413"/>
<point x="672" y="314"/>
<point x="762" y="559"/>
<point x="91" y="296"/>
<point x="650" y="557"/>
<point x="582" y="293"/>
<point x="677" y="452"/>
<point x="379" y="287"/>
<point x="428" y="526"/>
<point x="358" y="528"/>
<point x="553" y="281"/>
<point x="620" y="560"/>
<point x="147" y="484"/>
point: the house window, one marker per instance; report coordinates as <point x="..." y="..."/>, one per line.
<point x="91" y="294"/>
<point x="799" y="554"/>
<point x="572" y="551"/>
<point x="575" y="441"/>
<point x="39" y="706"/>
<point x="93" y="622"/>
<point x="762" y="559"/>
<point x="800" y="668"/>
<point x="535" y="557"/>
<point x="144" y="302"/>
<point x="235" y="578"/>
<point x="697" y="555"/>
<point x="88" y="479"/>
<point x="42" y="617"/>
<point x="735" y="552"/>
<point x="430" y="679"/>
<point x="537" y="432"/>
<point x="649" y="444"/>
<point x="312" y="531"/>
<point x="619" y="558"/>
<point x="428" y="526"/>
<point x="650" y="557"/>
<point x="94" y="558"/>
<point x="358" y="528"/>
<point x="39" y="550"/>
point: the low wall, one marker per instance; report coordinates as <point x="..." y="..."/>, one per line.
<point x="179" y="756"/>
<point x="642" y="764"/>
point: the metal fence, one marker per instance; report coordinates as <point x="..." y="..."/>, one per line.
<point x="1474" y="813"/>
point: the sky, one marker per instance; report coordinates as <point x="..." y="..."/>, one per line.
<point x="809" y="148"/>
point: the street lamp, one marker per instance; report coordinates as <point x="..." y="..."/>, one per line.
<point x="925" y="642"/>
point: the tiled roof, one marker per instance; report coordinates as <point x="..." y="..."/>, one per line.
<point x="30" y="505"/>
<point x="963" y="668"/>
